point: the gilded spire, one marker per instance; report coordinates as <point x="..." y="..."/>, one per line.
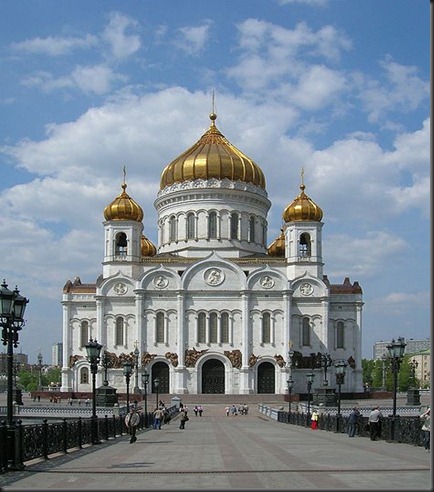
<point x="302" y="208"/>
<point x="123" y="207"/>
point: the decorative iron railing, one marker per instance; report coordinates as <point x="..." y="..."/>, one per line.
<point x="27" y="442"/>
<point x="404" y="429"/>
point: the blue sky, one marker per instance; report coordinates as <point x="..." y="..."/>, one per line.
<point x="338" y="87"/>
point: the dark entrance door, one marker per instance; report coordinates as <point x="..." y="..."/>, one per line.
<point x="266" y="376"/>
<point x="213" y="377"/>
<point x="160" y="370"/>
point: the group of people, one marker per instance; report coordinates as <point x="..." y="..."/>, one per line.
<point x="242" y="409"/>
<point x="374" y="423"/>
<point x="198" y="409"/>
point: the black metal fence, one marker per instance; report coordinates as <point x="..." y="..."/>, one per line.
<point x="27" y="442"/>
<point x="403" y="429"/>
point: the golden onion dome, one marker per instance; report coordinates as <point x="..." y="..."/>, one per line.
<point x="123" y="207"/>
<point x="212" y="156"/>
<point x="277" y="247"/>
<point x="302" y="209"/>
<point x="147" y="247"/>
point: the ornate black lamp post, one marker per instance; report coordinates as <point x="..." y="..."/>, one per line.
<point x="12" y="308"/>
<point x="136" y="368"/>
<point x="128" y="369"/>
<point x="396" y="352"/>
<point x="290" y="384"/>
<point x="156" y="385"/>
<point x="93" y="349"/>
<point x="310" y="377"/>
<point x="40" y="370"/>
<point x="105" y="362"/>
<point x="413" y="366"/>
<point x="383" y="371"/>
<point x="325" y="361"/>
<point x="340" y="367"/>
<point x="145" y="381"/>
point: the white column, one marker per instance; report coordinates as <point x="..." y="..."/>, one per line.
<point x="245" y="345"/>
<point x="67" y="348"/>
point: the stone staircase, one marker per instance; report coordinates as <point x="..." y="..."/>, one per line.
<point x="209" y="399"/>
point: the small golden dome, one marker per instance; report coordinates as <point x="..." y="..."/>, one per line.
<point x="147" y="247"/>
<point x="212" y="156"/>
<point x="123" y="207"/>
<point x="277" y="247"/>
<point x="302" y="209"/>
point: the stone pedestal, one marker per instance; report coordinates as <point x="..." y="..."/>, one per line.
<point x="325" y="396"/>
<point x="106" y="396"/>
<point x="413" y="396"/>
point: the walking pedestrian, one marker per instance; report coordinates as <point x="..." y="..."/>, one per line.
<point x="183" y="420"/>
<point x="314" y="420"/>
<point x="195" y="410"/>
<point x="158" y="417"/>
<point x="132" y="421"/>
<point x="353" y="420"/>
<point x="200" y="410"/>
<point x="227" y="409"/>
<point x="426" y="429"/>
<point x="374" y="423"/>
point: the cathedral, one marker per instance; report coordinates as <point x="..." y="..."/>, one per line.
<point x="212" y="308"/>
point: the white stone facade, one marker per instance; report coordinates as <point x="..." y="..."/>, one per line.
<point x="212" y="311"/>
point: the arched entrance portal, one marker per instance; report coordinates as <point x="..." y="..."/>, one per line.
<point x="160" y="370"/>
<point x="266" y="378"/>
<point x="213" y="377"/>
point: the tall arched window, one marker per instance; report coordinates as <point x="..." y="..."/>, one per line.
<point x="212" y="225"/>
<point x="172" y="229"/>
<point x="121" y="244"/>
<point x="190" y="226"/>
<point x="201" y="328"/>
<point x="305" y="333"/>
<point x="224" y="324"/>
<point x="304" y="246"/>
<point x="84" y="375"/>
<point x="159" y="329"/>
<point x="234" y="226"/>
<point x="213" y="327"/>
<point x="84" y="333"/>
<point x="340" y="340"/>
<point x="266" y="328"/>
<point x="252" y="229"/>
<point x="119" y="340"/>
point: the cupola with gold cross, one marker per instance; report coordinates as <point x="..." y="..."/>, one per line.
<point x="303" y="240"/>
<point x="123" y="226"/>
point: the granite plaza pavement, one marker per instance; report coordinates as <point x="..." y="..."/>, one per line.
<point x="237" y="452"/>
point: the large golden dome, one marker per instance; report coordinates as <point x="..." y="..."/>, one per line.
<point x="123" y="207"/>
<point x="212" y="156"/>
<point x="302" y="209"/>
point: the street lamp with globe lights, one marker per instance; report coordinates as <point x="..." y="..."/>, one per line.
<point x="12" y="309"/>
<point x="40" y="370"/>
<point x="340" y="367"/>
<point x="156" y="386"/>
<point x="128" y="369"/>
<point x="93" y="350"/>
<point x="396" y="350"/>
<point x="145" y="382"/>
<point x="290" y="384"/>
<point x="310" y="377"/>
<point x="136" y="354"/>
